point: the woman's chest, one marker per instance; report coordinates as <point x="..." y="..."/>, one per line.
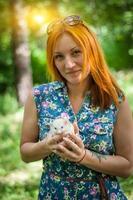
<point x="95" y="127"/>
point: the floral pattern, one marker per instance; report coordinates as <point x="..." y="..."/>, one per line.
<point x="62" y="179"/>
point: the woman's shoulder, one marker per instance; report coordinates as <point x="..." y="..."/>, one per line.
<point x="47" y="87"/>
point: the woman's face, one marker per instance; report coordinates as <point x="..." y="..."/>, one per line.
<point x="68" y="58"/>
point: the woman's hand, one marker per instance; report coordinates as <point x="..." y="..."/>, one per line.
<point x="51" y="142"/>
<point x="72" y="147"/>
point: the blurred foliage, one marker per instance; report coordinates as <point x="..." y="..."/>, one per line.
<point x="9" y="148"/>
<point x="111" y="20"/>
<point x="38" y="62"/>
<point x="125" y="80"/>
<point x="116" y="52"/>
<point x="19" y="191"/>
<point x="8" y="103"/>
<point x="127" y="184"/>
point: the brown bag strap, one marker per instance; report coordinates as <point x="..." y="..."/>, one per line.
<point x="103" y="190"/>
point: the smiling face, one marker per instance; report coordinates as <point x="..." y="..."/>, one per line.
<point x="68" y="58"/>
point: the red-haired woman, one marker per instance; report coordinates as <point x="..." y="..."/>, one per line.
<point x="85" y="164"/>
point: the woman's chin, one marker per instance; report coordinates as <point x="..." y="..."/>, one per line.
<point x="74" y="81"/>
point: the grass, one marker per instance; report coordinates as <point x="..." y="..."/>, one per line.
<point x="19" y="181"/>
<point x="21" y="191"/>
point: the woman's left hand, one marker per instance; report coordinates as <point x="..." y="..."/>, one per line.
<point x="72" y="148"/>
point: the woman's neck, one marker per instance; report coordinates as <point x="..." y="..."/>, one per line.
<point x="78" y="90"/>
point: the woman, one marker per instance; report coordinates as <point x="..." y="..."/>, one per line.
<point x="85" y="164"/>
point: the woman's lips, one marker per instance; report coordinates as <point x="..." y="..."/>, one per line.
<point x="73" y="72"/>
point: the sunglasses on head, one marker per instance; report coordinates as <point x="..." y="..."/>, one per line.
<point x="70" y="20"/>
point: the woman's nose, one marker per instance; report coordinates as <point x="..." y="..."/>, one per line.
<point x="69" y="62"/>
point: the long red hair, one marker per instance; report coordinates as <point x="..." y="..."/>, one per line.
<point x="103" y="87"/>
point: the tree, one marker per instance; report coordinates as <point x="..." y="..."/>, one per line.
<point x="20" y="51"/>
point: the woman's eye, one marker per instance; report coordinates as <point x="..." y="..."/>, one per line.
<point x="76" y="52"/>
<point x="58" y="57"/>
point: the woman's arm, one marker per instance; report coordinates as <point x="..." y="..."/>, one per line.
<point x="120" y="164"/>
<point x="31" y="148"/>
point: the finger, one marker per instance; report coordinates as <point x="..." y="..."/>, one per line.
<point x="71" y="145"/>
<point x="65" y="153"/>
<point x="77" y="139"/>
<point x="76" y="128"/>
<point x="56" y="139"/>
<point x="60" y="154"/>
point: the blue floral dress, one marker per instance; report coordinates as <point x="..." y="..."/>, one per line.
<point x="65" y="180"/>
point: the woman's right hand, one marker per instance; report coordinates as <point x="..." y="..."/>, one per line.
<point x="51" y="142"/>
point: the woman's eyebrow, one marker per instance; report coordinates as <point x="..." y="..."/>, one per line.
<point x="57" y="52"/>
<point x="76" y="47"/>
<point x="73" y="48"/>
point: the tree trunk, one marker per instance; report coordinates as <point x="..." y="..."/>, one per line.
<point x="20" y="50"/>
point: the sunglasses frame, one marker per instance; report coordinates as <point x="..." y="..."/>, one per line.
<point x="71" y="20"/>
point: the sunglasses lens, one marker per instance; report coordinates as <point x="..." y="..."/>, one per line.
<point x="72" y="20"/>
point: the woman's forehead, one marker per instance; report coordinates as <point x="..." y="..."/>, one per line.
<point x="65" y="41"/>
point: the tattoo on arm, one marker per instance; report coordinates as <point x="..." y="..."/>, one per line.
<point x="98" y="156"/>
